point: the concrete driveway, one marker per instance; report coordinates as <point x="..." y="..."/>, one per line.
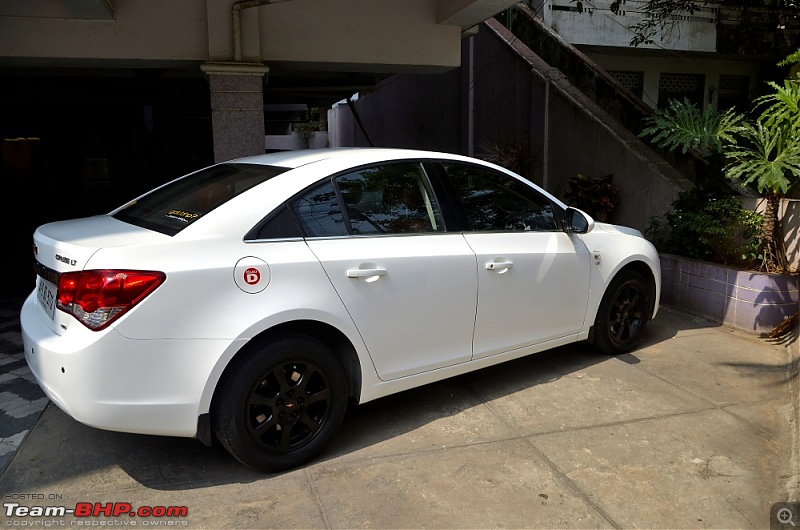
<point x="697" y="429"/>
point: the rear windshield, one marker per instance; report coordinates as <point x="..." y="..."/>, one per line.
<point x="175" y="206"/>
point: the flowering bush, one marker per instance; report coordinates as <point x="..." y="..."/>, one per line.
<point x="596" y="196"/>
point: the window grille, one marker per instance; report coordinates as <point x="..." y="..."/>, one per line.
<point x="633" y="81"/>
<point x="680" y="86"/>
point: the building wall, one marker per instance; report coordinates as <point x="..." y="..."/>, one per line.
<point x="408" y="111"/>
<point x="608" y="23"/>
<point x="602" y="30"/>
<point x="334" y="31"/>
<point x="141" y="30"/>
<point x="373" y="35"/>
<point x="651" y="67"/>
<point x="506" y="93"/>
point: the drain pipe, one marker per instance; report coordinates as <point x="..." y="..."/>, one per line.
<point x="237" y="22"/>
<point x="358" y="121"/>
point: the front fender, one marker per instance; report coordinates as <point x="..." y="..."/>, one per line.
<point x="612" y="251"/>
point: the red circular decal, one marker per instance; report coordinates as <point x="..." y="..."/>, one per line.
<point x="252" y="276"/>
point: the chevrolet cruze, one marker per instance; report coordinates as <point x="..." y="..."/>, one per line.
<point x="250" y="301"/>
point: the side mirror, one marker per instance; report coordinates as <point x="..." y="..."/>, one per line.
<point x="578" y="222"/>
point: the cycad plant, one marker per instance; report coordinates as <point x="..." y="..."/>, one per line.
<point x="769" y="158"/>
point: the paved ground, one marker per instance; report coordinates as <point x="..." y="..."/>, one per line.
<point x="697" y="429"/>
<point x="21" y="399"/>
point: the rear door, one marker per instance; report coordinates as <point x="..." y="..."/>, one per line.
<point x="533" y="278"/>
<point x="409" y="286"/>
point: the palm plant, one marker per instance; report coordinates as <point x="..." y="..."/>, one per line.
<point x="770" y="159"/>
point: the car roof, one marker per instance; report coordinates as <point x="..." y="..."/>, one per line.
<point x="355" y="155"/>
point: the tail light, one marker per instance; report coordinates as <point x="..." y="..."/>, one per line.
<point x="97" y="298"/>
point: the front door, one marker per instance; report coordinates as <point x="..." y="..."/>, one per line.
<point x="533" y="278"/>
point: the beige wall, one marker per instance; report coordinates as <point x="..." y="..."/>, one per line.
<point x="365" y="35"/>
<point x="652" y="66"/>
<point x="146" y="30"/>
<point x="334" y="31"/>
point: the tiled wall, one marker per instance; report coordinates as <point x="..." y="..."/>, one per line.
<point x="746" y="300"/>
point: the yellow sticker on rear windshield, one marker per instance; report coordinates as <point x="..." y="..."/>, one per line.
<point x="183" y="215"/>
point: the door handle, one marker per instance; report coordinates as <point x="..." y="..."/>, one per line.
<point x="499" y="265"/>
<point x="365" y="273"/>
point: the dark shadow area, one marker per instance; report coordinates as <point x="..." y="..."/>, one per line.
<point x="787" y="338"/>
<point x="669" y="321"/>
<point x="394" y="415"/>
<point x="78" y="146"/>
<point x="790" y="369"/>
<point x="782" y="311"/>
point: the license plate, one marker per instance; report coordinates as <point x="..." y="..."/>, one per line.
<point x="46" y="293"/>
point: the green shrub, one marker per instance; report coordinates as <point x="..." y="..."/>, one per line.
<point x="708" y="224"/>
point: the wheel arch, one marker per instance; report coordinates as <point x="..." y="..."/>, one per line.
<point x="647" y="273"/>
<point x="342" y="348"/>
<point x="650" y="276"/>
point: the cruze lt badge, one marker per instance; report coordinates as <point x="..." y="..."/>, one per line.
<point x="64" y="259"/>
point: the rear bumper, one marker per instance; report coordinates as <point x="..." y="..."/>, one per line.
<point x="107" y="381"/>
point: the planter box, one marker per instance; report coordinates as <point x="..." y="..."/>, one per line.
<point x="746" y="300"/>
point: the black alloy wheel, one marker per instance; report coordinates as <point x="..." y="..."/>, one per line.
<point x="623" y="314"/>
<point x="288" y="406"/>
<point x="627" y="310"/>
<point x="279" y="403"/>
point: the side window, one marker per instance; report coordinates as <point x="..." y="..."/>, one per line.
<point x="493" y="201"/>
<point x="281" y="225"/>
<point x="391" y="199"/>
<point x="319" y="213"/>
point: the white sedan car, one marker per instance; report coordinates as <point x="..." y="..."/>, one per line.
<point x="248" y="302"/>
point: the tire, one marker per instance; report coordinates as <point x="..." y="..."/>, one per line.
<point x="623" y="314"/>
<point x="279" y="405"/>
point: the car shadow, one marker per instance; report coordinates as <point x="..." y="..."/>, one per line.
<point x="59" y="449"/>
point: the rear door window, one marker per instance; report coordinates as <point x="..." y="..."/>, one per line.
<point x="178" y="204"/>
<point x="389" y="199"/>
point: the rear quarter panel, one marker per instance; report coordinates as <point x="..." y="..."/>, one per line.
<point x="200" y="299"/>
